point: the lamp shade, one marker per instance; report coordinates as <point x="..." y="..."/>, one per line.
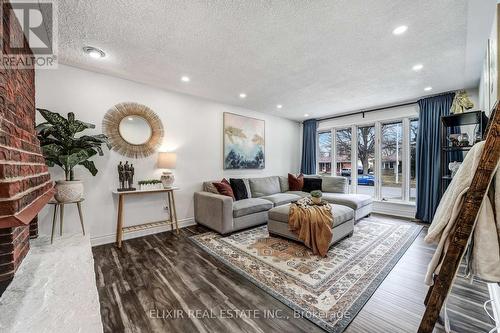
<point x="166" y="160"/>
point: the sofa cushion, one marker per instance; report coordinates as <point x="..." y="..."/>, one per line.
<point x="340" y="214"/>
<point x="264" y="186"/>
<point x="284" y="184"/>
<point x="299" y="193"/>
<point x="279" y="199"/>
<point x="295" y="183"/>
<point x="311" y="184"/>
<point x="239" y="188"/>
<point x="334" y="184"/>
<point x="355" y="201"/>
<point x="250" y="206"/>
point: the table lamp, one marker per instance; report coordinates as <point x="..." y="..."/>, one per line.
<point x="167" y="161"/>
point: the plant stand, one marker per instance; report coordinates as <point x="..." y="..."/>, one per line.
<point x="60" y="206"/>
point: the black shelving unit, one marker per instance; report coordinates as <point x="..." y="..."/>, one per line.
<point x="448" y="123"/>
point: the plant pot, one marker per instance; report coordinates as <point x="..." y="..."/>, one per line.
<point x="68" y="190"/>
<point x="316" y="200"/>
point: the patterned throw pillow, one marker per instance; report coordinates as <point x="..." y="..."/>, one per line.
<point x="239" y="188"/>
<point x="295" y="183"/>
<point x="224" y="188"/>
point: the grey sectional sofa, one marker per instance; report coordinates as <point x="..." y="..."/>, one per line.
<point x="222" y="214"/>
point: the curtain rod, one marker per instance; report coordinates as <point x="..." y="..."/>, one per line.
<point x="362" y="112"/>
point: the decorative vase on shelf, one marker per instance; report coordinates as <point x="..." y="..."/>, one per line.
<point x="167" y="179"/>
<point x="453" y="167"/>
<point x="167" y="161"/>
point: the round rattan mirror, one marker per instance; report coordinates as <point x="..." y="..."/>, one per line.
<point x="133" y="129"/>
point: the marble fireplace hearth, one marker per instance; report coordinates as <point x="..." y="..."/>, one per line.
<point x="54" y="289"/>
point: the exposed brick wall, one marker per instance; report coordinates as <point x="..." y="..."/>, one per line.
<point x="25" y="184"/>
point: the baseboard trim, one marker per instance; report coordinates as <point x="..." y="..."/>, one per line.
<point x="108" y="239"/>
<point x="394" y="209"/>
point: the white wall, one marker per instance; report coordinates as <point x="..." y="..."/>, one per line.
<point x="491" y="68"/>
<point x="193" y="129"/>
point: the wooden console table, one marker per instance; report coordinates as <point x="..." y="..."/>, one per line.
<point x="120" y="229"/>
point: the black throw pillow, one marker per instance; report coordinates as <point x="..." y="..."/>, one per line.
<point x="311" y="184"/>
<point x="239" y="188"/>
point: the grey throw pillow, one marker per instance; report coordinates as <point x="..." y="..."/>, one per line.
<point x="334" y="184"/>
<point x="260" y="187"/>
<point x="284" y="184"/>
<point x="209" y="187"/>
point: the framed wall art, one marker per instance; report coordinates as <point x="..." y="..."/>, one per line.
<point x="244" y="142"/>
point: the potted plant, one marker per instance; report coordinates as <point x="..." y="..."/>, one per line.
<point x="61" y="147"/>
<point x="316" y="197"/>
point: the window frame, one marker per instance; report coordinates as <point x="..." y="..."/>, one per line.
<point x="318" y="151"/>
<point x="405" y="158"/>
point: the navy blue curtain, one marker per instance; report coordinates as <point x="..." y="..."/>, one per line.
<point x="308" y="165"/>
<point x="428" y="166"/>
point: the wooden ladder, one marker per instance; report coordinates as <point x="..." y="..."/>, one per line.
<point x="465" y="222"/>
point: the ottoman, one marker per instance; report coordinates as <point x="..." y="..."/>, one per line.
<point x="343" y="222"/>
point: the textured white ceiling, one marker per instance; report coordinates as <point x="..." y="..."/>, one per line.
<point x="316" y="57"/>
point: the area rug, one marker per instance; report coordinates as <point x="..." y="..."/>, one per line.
<point x="328" y="291"/>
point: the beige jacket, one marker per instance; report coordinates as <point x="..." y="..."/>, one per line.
<point x="485" y="258"/>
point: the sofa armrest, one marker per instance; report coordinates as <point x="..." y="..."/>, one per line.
<point x="214" y="211"/>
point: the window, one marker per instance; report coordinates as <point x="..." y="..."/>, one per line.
<point x="343" y="147"/>
<point x="325" y="153"/>
<point x="385" y="158"/>
<point x="366" y="160"/>
<point x="413" y="159"/>
<point x="392" y="155"/>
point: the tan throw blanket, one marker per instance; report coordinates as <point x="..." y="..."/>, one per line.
<point x="484" y="260"/>
<point x="312" y="224"/>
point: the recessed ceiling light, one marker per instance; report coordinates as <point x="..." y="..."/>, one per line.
<point x="94" y="52"/>
<point x="279" y="106"/>
<point x="417" y="67"/>
<point x="428" y="88"/>
<point x="243" y="95"/>
<point x="185" y="78"/>
<point x="306" y="115"/>
<point x="400" y="30"/>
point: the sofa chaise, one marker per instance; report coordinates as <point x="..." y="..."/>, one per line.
<point x="222" y="214"/>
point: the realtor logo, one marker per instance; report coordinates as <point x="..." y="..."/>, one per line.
<point x="29" y="34"/>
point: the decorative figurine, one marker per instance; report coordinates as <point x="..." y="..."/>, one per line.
<point x="121" y="177"/>
<point x="131" y="178"/>
<point x="126" y="177"/>
<point x="463" y="140"/>
<point x="454" y="140"/>
<point x="461" y="103"/>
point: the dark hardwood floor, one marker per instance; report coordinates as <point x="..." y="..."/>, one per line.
<point x="142" y="286"/>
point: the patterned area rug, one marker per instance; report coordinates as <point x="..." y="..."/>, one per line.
<point x="328" y="291"/>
